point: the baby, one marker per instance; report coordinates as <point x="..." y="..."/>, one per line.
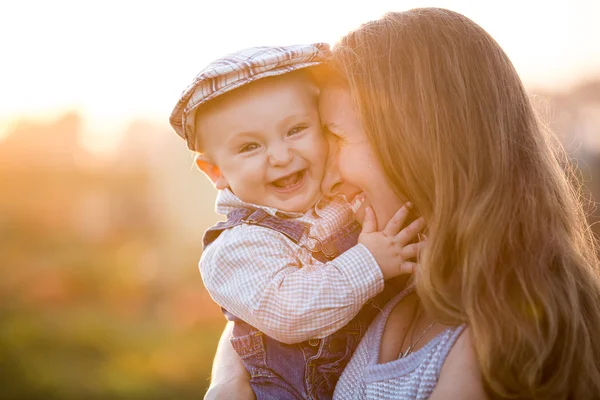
<point x="289" y="266"/>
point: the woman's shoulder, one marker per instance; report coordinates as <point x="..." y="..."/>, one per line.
<point x="460" y="374"/>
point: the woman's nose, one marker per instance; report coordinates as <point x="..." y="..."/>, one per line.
<point x="332" y="181"/>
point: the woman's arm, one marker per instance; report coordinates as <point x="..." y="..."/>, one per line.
<point x="229" y="379"/>
<point x="460" y="377"/>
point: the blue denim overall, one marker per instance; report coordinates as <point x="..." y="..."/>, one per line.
<point x="307" y="370"/>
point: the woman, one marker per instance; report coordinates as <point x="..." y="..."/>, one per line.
<point x="425" y="106"/>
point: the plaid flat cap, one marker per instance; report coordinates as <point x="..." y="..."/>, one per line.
<point x="238" y="69"/>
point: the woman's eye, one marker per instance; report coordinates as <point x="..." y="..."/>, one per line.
<point x="296" y="130"/>
<point x="329" y="134"/>
<point x="248" y="147"/>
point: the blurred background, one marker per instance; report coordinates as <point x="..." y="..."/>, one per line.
<point x="101" y="210"/>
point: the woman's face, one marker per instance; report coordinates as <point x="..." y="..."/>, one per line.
<point x="352" y="167"/>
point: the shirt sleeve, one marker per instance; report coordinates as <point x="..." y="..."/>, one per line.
<point x="256" y="275"/>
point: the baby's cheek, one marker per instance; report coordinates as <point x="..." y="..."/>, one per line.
<point x="320" y="144"/>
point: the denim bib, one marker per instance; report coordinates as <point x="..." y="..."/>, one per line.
<point x="310" y="369"/>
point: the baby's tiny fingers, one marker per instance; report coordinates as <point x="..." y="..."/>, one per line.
<point x="393" y="226"/>
<point x="412" y="250"/>
<point x="407" y="234"/>
<point x="408" y="267"/>
<point x="369" y="223"/>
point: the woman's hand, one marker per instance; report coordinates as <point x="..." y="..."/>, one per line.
<point x="229" y="378"/>
<point x="393" y="247"/>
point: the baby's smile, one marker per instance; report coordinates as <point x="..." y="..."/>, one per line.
<point x="290" y="182"/>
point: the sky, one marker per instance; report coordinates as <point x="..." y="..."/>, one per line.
<point x="115" y="61"/>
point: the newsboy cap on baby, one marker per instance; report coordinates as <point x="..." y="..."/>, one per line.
<point x="238" y="69"/>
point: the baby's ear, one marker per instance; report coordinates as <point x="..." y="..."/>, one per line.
<point x="211" y="170"/>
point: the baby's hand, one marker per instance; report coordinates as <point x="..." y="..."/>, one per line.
<point x="391" y="247"/>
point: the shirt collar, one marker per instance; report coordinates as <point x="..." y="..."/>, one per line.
<point x="227" y="202"/>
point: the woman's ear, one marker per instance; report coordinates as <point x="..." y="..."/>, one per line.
<point x="212" y="171"/>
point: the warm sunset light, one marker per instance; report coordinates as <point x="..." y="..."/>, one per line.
<point x="102" y="208"/>
<point x="117" y="61"/>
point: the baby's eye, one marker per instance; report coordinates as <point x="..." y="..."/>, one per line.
<point x="297" y="129"/>
<point x="248" y="147"/>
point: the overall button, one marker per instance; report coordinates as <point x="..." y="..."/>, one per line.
<point x="313" y="342"/>
<point x="336" y="345"/>
<point x="330" y="250"/>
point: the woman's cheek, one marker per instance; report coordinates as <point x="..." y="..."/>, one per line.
<point x="343" y="165"/>
<point x="352" y="169"/>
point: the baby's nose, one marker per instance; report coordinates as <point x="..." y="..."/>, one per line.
<point x="280" y="156"/>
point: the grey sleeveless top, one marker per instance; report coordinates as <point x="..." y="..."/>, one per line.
<point x="411" y="377"/>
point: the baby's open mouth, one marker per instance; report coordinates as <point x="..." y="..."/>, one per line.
<point x="289" y="182"/>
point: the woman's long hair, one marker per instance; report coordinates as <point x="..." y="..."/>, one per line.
<point x="510" y="251"/>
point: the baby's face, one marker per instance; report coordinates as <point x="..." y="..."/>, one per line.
<point x="267" y="143"/>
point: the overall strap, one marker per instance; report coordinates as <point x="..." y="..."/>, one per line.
<point x="234" y="218"/>
<point x="343" y="239"/>
<point x="293" y="230"/>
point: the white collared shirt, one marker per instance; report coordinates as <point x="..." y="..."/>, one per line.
<point x="275" y="285"/>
